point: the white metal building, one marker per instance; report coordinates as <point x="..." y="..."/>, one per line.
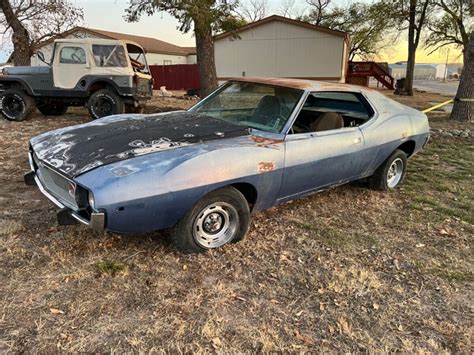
<point x="157" y="52"/>
<point x="281" y="47"/>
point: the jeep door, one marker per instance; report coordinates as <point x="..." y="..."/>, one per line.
<point x="70" y="64"/>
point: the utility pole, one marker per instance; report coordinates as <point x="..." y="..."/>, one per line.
<point x="446" y="67"/>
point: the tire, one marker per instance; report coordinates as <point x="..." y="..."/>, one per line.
<point x="221" y="217"/>
<point x="105" y="102"/>
<point x="391" y="173"/>
<point x="133" y="109"/>
<point x="53" y="109"/>
<point x="16" y="105"/>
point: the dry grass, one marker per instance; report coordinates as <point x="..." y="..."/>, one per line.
<point x="346" y="270"/>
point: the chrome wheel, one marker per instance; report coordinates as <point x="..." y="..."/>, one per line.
<point x="215" y="225"/>
<point x="395" y="173"/>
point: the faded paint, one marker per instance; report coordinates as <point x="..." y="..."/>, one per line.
<point x="168" y="182"/>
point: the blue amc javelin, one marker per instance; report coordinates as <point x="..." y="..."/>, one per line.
<point x="251" y="144"/>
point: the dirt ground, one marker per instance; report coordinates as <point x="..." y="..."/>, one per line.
<point x="345" y="270"/>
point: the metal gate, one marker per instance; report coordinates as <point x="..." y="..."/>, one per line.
<point x="175" y="77"/>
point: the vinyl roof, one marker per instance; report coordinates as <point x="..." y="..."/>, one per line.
<point x="302" y="84"/>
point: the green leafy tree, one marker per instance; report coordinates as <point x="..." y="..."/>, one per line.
<point x="451" y="24"/>
<point x="411" y="15"/>
<point x="365" y="23"/>
<point x="205" y="17"/>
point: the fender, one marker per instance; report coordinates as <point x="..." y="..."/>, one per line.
<point x="120" y="90"/>
<point x="6" y="81"/>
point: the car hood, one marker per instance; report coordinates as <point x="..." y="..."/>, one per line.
<point x="78" y="149"/>
<point x="26" y="70"/>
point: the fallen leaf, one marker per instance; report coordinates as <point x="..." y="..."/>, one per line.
<point x="56" y="311"/>
<point x="420" y="245"/>
<point x="216" y="342"/>
<point x="376" y="306"/>
<point x="304" y="338"/>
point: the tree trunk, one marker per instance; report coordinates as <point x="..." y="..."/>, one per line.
<point x="463" y="110"/>
<point x="20" y="37"/>
<point x="205" y="59"/>
<point x="408" y="90"/>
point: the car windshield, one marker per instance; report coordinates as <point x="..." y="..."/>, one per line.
<point x="263" y="107"/>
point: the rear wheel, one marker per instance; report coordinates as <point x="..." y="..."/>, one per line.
<point x="391" y="173"/>
<point x="219" y="218"/>
<point x="16" y="105"/>
<point x="53" y="109"/>
<point x="105" y="102"/>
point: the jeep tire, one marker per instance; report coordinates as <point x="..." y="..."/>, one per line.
<point x="52" y="109"/>
<point x="105" y="102"/>
<point x="16" y="104"/>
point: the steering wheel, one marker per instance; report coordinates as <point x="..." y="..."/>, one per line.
<point x="76" y="59"/>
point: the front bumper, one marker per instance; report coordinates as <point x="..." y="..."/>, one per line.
<point x="65" y="214"/>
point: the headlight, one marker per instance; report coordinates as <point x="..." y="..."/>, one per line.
<point x="91" y="200"/>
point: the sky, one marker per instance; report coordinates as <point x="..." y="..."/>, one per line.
<point x="108" y="15"/>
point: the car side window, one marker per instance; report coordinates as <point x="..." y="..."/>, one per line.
<point x="323" y="111"/>
<point x="72" y="55"/>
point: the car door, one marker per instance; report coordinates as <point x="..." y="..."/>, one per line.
<point x="70" y="64"/>
<point x="317" y="160"/>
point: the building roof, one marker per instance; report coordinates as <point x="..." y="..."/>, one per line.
<point x="417" y="66"/>
<point x="151" y="45"/>
<point x="277" y="18"/>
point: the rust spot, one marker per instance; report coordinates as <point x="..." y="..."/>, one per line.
<point x="323" y="84"/>
<point x="286" y="82"/>
<point x="264" y="142"/>
<point x="266" y="166"/>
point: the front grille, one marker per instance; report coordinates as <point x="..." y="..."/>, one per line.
<point x="55" y="183"/>
<point x="143" y="87"/>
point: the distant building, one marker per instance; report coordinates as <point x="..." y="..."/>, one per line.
<point x="281" y="47"/>
<point x="451" y="71"/>
<point x="422" y="71"/>
<point x="157" y="52"/>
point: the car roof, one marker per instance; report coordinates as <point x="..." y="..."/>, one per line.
<point x="90" y="41"/>
<point x="303" y="84"/>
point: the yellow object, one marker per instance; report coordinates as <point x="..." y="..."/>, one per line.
<point x="444" y="104"/>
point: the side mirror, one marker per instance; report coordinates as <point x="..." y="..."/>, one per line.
<point x="41" y="57"/>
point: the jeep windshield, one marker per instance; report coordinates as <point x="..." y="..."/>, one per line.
<point x="258" y="106"/>
<point x="109" y="55"/>
<point x="137" y="59"/>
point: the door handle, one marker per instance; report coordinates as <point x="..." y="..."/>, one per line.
<point x="357" y="140"/>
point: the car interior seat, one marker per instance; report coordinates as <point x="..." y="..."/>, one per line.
<point x="327" y="121"/>
<point x="269" y="107"/>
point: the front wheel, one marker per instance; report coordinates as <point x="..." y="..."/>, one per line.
<point x="16" y="105"/>
<point x="221" y="217"/>
<point x="105" y="102"/>
<point x="391" y="173"/>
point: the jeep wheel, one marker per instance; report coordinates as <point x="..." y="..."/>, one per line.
<point x="52" y="109"/>
<point x="105" y="103"/>
<point x="16" y="105"/>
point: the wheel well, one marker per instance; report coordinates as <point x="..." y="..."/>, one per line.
<point x="408" y="147"/>
<point x="249" y="192"/>
<point x="14" y="85"/>
<point x="98" y="85"/>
